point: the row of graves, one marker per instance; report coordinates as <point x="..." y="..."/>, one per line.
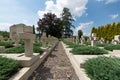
<point x="78" y="60"/>
<point x="28" y="60"/>
<point x="93" y="39"/>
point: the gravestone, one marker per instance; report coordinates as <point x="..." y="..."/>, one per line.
<point x="43" y="39"/>
<point x="116" y="39"/>
<point x="25" y="33"/>
<point x="82" y="40"/>
<point x="93" y="39"/>
<point x="102" y="40"/>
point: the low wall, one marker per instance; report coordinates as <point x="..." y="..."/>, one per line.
<point x="26" y="72"/>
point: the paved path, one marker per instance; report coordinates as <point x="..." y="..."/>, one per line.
<point x="56" y="67"/>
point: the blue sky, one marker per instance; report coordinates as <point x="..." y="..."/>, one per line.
<point x="87" y="13"/>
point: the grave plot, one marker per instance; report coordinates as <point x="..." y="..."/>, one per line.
<point x="78" y="54"/>
<point x="28" y="53"/>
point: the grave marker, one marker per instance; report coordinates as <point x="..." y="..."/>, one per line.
<point x="93" y="39"/>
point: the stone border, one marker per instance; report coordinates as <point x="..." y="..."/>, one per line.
<point x="26" y="72"/>
<point x="79" y="71"/>
<point x="78" y="60"/>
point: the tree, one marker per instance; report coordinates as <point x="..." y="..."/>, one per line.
<point x="107" y="31"/>
<point x="33" y="29"/>
<point x="67" y="20"/>
<point x="80" y="33"/>
<point x="4" y="34"/>
<point x="51" y="25"/>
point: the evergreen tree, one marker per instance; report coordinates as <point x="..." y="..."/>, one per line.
<point x="80" y="33"/>
<point x="33" y="29"/>
<point x="67" y="20"/>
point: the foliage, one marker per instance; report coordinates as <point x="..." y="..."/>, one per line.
<point x="39" y="44"/>
<point x="51" y="25"/>
<point x="37" y="49"/>
<point x="80" y="33"/>
<point x="112" y="47"/>
<point x="4" y="34"/>
<point x="84" y="49"/>
<point x="7" y="67"/>
<point x="67" y="20"/>
<point x="101" y="45"/>
<point x="6" y="44"/>
<point x="108" y="31"/>
<point x="103" y="68"/>
<point x="33" y="29"/>
<point x="88" y="50"/>
<point x="20" y="49"/>
<point x="88" y="43"/>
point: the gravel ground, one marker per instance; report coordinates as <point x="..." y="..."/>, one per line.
<point x="56" y="67"/>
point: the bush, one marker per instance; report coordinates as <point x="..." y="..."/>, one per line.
<point x="103" y="68"/>
<point x="6" y="44"/>
<point x="101" y="45"/>
<point x="88" y="43"/>
<point x="20" y="49"/>
<point x="37" y="49"/>
<point x="68" y="43"/>
<point x="7" y="68"/>
<point x="38" y="44"/>
<point x="112" y="47"/>
<point x="88" y="50"/>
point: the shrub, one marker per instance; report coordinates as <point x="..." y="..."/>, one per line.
<point x="38" y="44"/>
<point x="6" y="44"/>
<point x="101" y="45"/>
<point x="88" y="50"/>
<point x="112" y="47"/>
<point x="103" y="68"/>
<point x="88" y="43"/>
<point x="68" y="43"/>
<point x="20" y="49"/>
<point x="7" y="67"/>
<point x="37" y="49"/>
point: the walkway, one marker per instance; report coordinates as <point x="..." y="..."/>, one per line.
<point x="56" y="67"/>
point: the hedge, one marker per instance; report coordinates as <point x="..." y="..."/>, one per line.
<point x="7" y="68"/>
<point x="88" y="50"/>
<point x="6" y="44"/>
<point x="103" y="68"/>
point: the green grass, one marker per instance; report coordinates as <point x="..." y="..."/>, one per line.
<point x="6" y="44"/>
<point x="88" y="50"/>
<point x="103" y="68"/>
<point x="112" y="47"/>
<point x="84" y="49"/>
<point x="7" y="68"/>
<point x="20" y="49"/>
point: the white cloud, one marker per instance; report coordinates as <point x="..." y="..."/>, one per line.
<point x="5" y="26"/>
<point x="83" y="27"/>
<point x="114" y="16"/>
<point x="77" y="7"/>
<point x="108" y="1"/>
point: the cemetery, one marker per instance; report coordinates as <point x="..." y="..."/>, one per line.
<point x="55" y="49"/>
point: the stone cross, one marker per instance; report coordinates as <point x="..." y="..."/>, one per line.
<point x="93" y="39"/>
<point x="25" y="33"/>
<point x="116" y="39"/>
<point x="43" y="39"/>
<point x="82" y="39"/>
<point x="28" y="39"/>
<point x="102" y="40"/>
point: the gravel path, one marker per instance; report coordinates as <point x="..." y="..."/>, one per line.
<point x="56" y="67"/>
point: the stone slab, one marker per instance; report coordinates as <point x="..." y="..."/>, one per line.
<point x="23" y="60"/>
<point x="25" y="72"/>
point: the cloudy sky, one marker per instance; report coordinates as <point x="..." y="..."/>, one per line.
<point x="87" y="13"/>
